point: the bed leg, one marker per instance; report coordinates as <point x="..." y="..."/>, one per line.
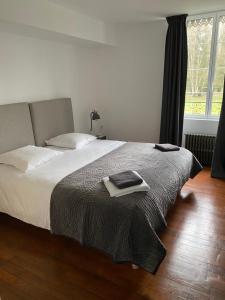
<point x="134" y="267"/>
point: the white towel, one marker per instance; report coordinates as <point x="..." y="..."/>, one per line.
<point x="115" y="192"/>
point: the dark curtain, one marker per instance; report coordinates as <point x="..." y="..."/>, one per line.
<point x="218" y="162"/>
<point x="174" y="82"/>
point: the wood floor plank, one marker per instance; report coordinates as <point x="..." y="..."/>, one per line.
<point x="37" y="265"/>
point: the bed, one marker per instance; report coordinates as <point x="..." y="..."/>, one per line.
<point x="66" y="195"/>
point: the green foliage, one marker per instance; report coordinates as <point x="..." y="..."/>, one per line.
<point x="199" y="47"/>
<point x="197" y="105"/>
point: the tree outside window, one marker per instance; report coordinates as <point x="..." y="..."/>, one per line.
<point x="206" y="66"/>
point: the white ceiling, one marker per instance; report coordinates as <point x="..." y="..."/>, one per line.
<point x="140" y="10"/>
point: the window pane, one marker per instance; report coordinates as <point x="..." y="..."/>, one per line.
<point x="219" y="70"/>
<point x="199" y="46"/>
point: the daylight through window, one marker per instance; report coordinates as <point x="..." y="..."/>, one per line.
<point x="206" y="66"/>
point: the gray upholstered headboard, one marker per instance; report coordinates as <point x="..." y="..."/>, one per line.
<point x="15" y="126"/>
<point x="51" y="118"/>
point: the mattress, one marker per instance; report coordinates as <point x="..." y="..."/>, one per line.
<point x="26" y="196"/>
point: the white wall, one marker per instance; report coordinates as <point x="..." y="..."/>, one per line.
<point x="53" y="18"/>
<point x="33" y="69"/>
<point x="125" y="82"/>
<point x="199" y="126"/>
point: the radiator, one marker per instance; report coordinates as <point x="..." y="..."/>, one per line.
<point x="202" y="146"/>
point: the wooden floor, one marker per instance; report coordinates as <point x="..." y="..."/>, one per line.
<point x="36" y="265"/>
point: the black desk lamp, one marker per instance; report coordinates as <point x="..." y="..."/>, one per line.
<point x="94" y="116"/>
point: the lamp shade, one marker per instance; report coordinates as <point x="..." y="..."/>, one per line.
<point x="95" y="115"/>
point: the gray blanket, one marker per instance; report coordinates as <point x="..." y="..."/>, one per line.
<point x="127" y="227"/>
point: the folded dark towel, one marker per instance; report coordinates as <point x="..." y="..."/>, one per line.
<point x="167" y="147"/>
<point x="125" y="179"/>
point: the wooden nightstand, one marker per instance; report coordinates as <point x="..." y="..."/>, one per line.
<point x="101" y="137"/>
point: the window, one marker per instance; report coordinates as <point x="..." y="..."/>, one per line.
<point x="206" y="65"/>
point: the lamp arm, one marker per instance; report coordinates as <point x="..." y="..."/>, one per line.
<point x="91" y="117"/>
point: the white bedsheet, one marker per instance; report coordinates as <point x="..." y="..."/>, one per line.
<point x="26" y="196"/>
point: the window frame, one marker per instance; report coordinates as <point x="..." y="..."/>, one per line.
<point x="212" y="65"/>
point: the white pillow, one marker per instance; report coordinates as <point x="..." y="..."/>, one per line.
<point x="28" y="157"/>
<point x="71" y="140"/>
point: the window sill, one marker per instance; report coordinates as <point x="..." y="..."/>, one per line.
<point x="196" y="118"/>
